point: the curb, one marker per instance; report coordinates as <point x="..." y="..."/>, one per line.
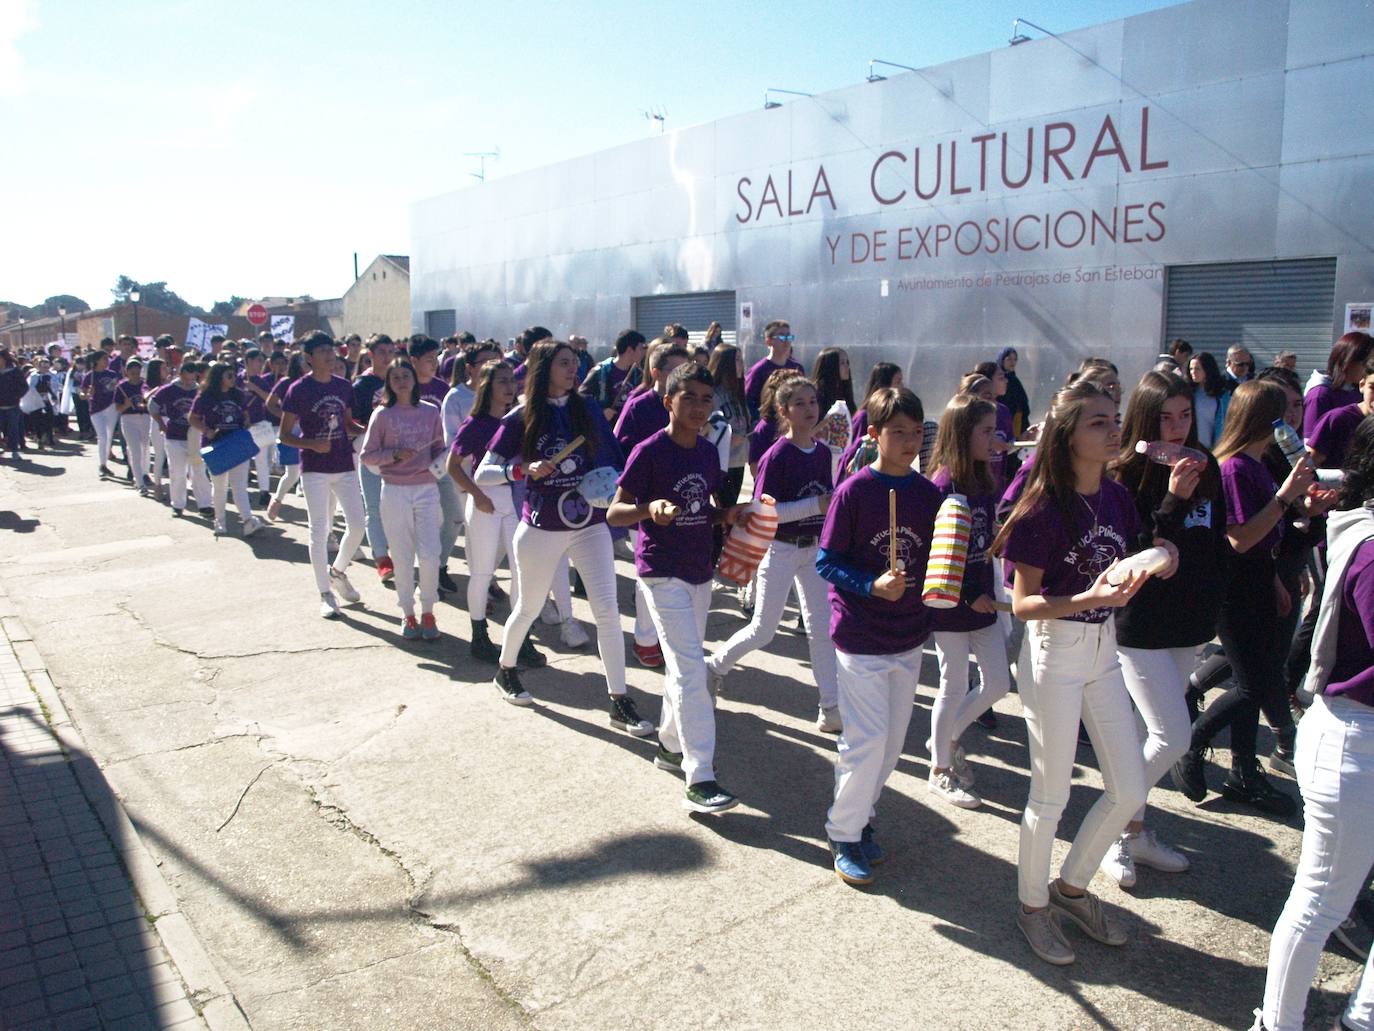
<point x="205" y="988"/>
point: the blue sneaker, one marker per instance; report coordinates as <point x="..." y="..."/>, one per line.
<point x="872" y="851"/>
<point x="850" y="862"/>
<point x="410" y="629"/>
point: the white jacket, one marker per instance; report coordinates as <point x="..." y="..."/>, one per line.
<point x="1345" y="532"/>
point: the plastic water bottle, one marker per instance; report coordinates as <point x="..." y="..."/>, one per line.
<point x="1167" y="454"/>
<point x="1289" y="442"/>
<point x="1151" y="560"/>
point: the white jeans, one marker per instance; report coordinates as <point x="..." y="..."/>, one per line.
<point x="237" y="478"/>
<point x="645" y="634"/>
<point x="289" y="479"/>
<point x="159" y="449"/>
<point x="411" y="515"/>
<point x="1335" y="767"/>
<point x="490" y="536"/>
<point x="1076" y="675"/>
<point x="538" y="554"/>
<point x="783" y="565"/>
<point x="135" y="431"/>
<point x="104" y="423"/>
<point x="688" y="725"/>
<point x="956" y="707"/>
<point x="262" y="466"/>
<point x="200" y="476"/>
<point x="1157" y="679"/>
<point x="320" y="490"/>
<point x="178" y="468"/>
<point x="876" y="694"/>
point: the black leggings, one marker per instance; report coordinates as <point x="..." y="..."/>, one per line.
<point x="728" y="495"/>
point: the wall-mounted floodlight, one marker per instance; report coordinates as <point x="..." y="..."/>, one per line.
<point x="875" y="77"/>
<point x="769" y="103"/>
<point x="1018" y="37"/>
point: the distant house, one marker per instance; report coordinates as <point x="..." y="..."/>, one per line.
<point x="379" y="299"/>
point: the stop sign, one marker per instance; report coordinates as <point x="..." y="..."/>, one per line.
<point x="257" y="315"/>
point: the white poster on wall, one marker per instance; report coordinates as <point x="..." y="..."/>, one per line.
<point x="1357" y="316"/>
<point x="284" y="328"/>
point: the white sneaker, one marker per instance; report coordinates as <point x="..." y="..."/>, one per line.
<point x="329" y="608"/>
<point x="828" y="720"/>
<point x="346" y="590"/>
<point x="1150" y="851"/>
<point x="1042" y="932"/>
<point x="221" y="528"/>
<point x="572" y="634"/>
<point x="273" y="510"/>
<point x="946" y="786"/>
<point x="252" y="526"/>
<point x="963" y="772"/>
<point x="1118" y="863"/>
<point x="549" y="614"/>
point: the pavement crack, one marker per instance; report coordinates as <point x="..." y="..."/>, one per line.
<point x="160" y="642"/>
<point x="244" y="794"/>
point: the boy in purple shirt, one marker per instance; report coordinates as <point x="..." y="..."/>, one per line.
<point x="317" y="417"/>
<point x="666" y="488"/>
<point x="878" y="622"/>
<point x="778" y="338"/>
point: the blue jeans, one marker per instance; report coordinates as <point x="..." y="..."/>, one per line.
<point x="12" y="421"/>
<point x="371" y="484"/>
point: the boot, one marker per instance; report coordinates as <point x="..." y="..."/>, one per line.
<point x="482" y="649"/>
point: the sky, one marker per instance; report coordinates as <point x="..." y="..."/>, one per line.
<point x="252" y="147"/>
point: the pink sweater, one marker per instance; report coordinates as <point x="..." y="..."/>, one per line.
<point x="419" y="428"/>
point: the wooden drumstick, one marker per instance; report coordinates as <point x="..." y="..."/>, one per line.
<point x="1002" y="606"/>
<point x="577" y="442"/>
<point x="892" y="531"/>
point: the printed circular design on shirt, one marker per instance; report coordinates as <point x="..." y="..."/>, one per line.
<point x="573" y="509"/>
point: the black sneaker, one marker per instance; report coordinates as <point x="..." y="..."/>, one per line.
<point x="446" y="583"/>
<point x="496" y="596"/>
<point x="706" y="796"/>
<point x="1190" y="776"/>
<point x="626" y="717"/>
<point x="105" y="472"/>
<point x="529" y="656"/>
<point x="1248" y="784"/>
<point x="987" y="720"/>
<point x="508" y="683"/>
<point x="666" y="760"/>
<point x="1281" y="761"/>
<point x="482" y="648"/>
<point x="263" y="498"/>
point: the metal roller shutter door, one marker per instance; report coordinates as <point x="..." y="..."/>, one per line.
<point x="440" y="323"/>
<point x="695" y="311"/>
<point x="1269" y="306"/>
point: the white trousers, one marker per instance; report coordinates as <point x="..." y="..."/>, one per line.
<point x="1076" y="676"/>
<point x="135" y="431"/>
<point x="289" y="478"/>
<point x="104" y="423"/>
<point x="783" y="565"/>
<point x="1335" y="766"/>
<point x="876" y="694"/>
<point x="262" y="467"/>
<point x="159" y="440"/>
<point x="237" y="478"/>
<point x="321" y="491"/>
<point x="411" y="515"/>
<point x="688" y="725"/>
<point x="1157" y="679"/>
<point x="645" y="634"/>
<point x="200" y="476"/>
<point x="179" y="468"/>
<point x="538" y="554"/>
<point x="956" y="707"/>
<point x="490" y="536"/>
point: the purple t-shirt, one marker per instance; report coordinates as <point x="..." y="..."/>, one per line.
<point x="1247" y="487"/>
<point x="322" y="411"/>
<point x="116" y="364"/>
<point x="978" y="573"/>
<point x="761" y="438"/>
<point x="174" y="405"/>
<point x="787" y="473"/>
<point x="643" y="416"/>
<point x="857" y="533"/>
<point x="447" y="364"/>
<point x="1075" y="554"/>
<point x="221" y="414"/>
<point x="474" y="435"/>
<point x="133" y="393"/>
<point x="1320" y="400"/>
<point x="1353" y="673"/>
<point x="435" y="390"/>
<point x="1006" y="433"/>
<point x="257" y="407"/>
<point x="555" y="503"/>
<point x="1333" y="432"/>
<point x="102" y="387"/>
<point x="660" y="470"/>
<point x="757" y="378"/>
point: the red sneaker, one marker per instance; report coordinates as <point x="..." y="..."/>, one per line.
<point x="649" y="655"/>
<point x="386" y="569"/>
<point x="429" y="630"/>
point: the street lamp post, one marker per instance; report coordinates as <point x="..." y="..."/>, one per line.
<point x="62" y="314"/>
<point x="134" y="296"/>
<point x="21" y="334"/>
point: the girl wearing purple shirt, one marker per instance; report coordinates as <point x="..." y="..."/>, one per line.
<point x="1249" y="620"/>
<point x="133" y="423"/>
<point x="1330" y="440"/>
<point x="556" y="520"/>
<point x="963" y="447"/>
<point x="220" y="409"/>
<point x="1336" y="387"/>
<point x="403" y="439"/>
<point x="97" y="389"/>
<point x="1334" y="762"/>
<point x="1066" y="534"/>
<point x="795" y="472"/>
<point x="882" y="375"/>
<point x="289" y="457"/>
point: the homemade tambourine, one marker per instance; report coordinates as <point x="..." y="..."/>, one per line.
<point x="599" y="485"/>
<point x="748" y="541"/>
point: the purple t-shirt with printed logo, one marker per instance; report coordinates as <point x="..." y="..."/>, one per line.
<point x="257" y="407"/>
<point x="857" y="533"/>
<point x="555" y="503"/>
<point x="102" y="387"/>
<point x="220" y="414"/>
<point x="660" y="470"/>
<point x="174" y="405"/>
<point x="643" y="416"/>
<point x="757" y="378"/>
<point x="787" y="473"/>
<point x="322" y="411"/>
<point x="1073" y="555"/>
<point x="978" y="572"/>
<point x="1247" y="487"/>
<point x="134" y="393"/>
<point x="435" y="390"/>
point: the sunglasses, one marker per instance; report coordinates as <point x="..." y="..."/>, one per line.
<point x="786" y="338"/>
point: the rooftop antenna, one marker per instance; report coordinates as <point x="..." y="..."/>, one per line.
<point x="657" y="114"/>
<point x="481" y="155"/>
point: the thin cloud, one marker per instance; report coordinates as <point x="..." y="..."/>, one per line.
<point x="16" y="18"/>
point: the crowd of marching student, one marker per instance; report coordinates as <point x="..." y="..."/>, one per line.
<point x="1116" y="543"/>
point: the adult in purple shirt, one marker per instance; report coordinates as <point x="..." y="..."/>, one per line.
<point x="778" y="338"/>
<point x="317" y="417"/>
<point x="1345" y="367"/>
